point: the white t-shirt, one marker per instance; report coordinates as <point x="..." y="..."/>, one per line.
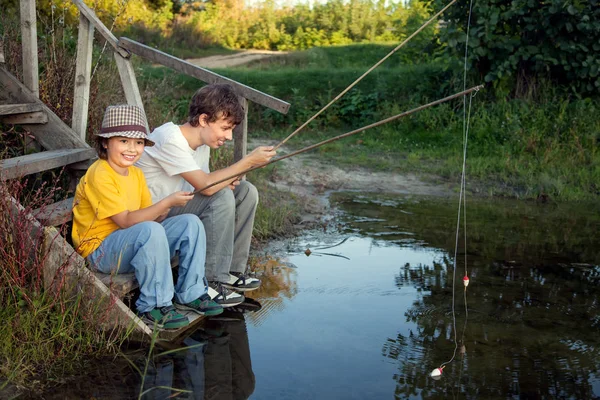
<point x="168" y="158"/>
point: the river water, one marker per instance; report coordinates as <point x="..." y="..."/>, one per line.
<point x="370" y="305"/>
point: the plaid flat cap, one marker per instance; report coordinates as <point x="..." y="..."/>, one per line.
<point x="125" y="120"/>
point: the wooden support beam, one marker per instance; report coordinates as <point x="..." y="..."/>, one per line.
<point x="240" y="134"/>
<point x="202" y="74"/>
<point x="9" y="109"/>
<point x="53" y="135"/>
<point x="104" y="31"/>
<point x="25" y="165"/>
<point x="83" y="70"/>
<point x="129" y="83"/>
<point x="29" y="45"/>
<point x="38" y="117"/>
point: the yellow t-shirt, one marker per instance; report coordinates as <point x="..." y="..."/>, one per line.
<point x="100" y="194"/>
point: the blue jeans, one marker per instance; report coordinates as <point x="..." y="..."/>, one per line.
<point x="147" y="248"/>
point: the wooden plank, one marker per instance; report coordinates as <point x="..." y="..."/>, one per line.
<point x="20" y="166"/>
<point x="38" y="117"/>
<point x="83" y="70"/>
<point x="55" y="214"/>
<point x="240" y="134"/>
<point x="64" y="269"/>
<point x="119" y="284"/>
<point x="104" y="31"/>
<point x="204" y="75"/>
<point x="9" y="109"/>
<point x="129" y="83"/>
<point x="53" y="135"/>
<point x="29" y="46"/>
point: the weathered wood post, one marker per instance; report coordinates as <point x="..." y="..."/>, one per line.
<point x="83" y="69"/>
<point x="29" y="45"/>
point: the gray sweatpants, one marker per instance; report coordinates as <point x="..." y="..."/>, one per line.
<point x="228" y="219"/>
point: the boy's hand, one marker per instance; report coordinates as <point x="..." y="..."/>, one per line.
<point x="261" y="155"/>
<point x="179" y="199"/>
<point x="235" y="183"/>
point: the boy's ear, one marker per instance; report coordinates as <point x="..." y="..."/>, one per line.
<point x="203" y="120"/>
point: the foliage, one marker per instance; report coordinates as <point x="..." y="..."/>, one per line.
<point x="512" y="42"/>
<point x="264" y="25"/>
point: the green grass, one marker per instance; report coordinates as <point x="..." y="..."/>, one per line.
<point x="542" y="144"/>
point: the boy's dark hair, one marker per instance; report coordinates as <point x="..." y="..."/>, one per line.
<point x="100" y="144"/>
<point x="216" y="100"/>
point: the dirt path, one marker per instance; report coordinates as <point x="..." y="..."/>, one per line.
<point x="234" y="60"/>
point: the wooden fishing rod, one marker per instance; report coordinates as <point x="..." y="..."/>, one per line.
<point x="359" y="130"/>
<point x="363" y="75"/>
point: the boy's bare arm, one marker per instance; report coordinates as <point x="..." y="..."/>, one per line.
<point x="200" y="179"/>
<point x="127" y="219"/>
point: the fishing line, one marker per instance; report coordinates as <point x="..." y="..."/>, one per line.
<point x="363" y="75"/>
<point x="436" y="373"/>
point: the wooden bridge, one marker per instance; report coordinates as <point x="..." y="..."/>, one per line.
<point x="66" y="146"/>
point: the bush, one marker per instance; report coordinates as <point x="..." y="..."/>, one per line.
<point x="513" y="41"/>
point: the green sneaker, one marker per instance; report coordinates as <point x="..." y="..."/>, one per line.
<point x="202" y="305"/>
<point x="165" y="318"/>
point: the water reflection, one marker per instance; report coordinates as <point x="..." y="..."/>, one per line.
<point x="216" y="365"/>
<point x="533" y="318"/>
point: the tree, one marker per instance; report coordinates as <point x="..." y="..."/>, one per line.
<point x="516" y="40"/>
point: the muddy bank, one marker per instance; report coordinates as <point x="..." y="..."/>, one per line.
<point x="314" y="180"/>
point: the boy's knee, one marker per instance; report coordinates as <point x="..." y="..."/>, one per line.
<point x="223" y="200"/>
<point x="149" y="228"/>
<point x="149" y="231"/>
<point x="192" y="222"/>
<point x="247" y="192"/>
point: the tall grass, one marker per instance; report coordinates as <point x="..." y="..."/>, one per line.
<point x="39" y="325"/>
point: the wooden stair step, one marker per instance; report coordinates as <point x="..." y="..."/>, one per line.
<point x="29" y="164"/>
<point x="20" y="114"/>
<point x="119" y="284"/>
<point x="55" y="214"/>
<point x="11" y="109"/>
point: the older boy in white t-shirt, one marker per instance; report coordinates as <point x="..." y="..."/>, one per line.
<point x="179" y="161"/>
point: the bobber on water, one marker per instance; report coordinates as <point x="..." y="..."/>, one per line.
<point x="437" y="373"/>
<point x="466" y="281"/>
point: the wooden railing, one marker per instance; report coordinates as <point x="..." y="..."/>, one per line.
<point x="123" y="49"/>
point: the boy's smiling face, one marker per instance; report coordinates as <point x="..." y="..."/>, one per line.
<point x="123" y="152"/>
<point x="215" y="134"/>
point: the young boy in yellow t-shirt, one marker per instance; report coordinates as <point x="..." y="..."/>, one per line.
<point x="118" y="229"/>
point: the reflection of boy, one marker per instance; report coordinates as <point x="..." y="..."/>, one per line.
<point x="118" y="229"/>
<point x="179" y="161"/>
<point x="216" y="365"/>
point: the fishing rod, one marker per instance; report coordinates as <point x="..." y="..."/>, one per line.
<point x="363" y="75"/>
<point x="359" y="130"/>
